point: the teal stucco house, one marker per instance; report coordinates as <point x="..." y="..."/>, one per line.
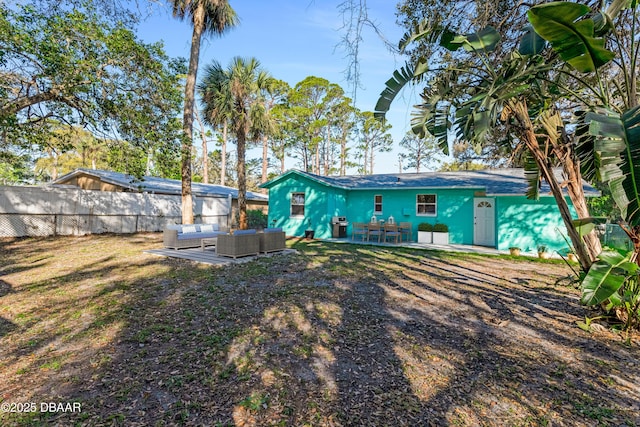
<point x="485" y="208"/>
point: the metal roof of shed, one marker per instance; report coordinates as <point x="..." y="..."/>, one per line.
<point x="152" y="184"/>
<point x="509" y="182"/>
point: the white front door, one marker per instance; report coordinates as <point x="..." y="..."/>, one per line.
<point x="484" y="228"/>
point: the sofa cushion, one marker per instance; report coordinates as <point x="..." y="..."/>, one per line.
<point x="207" y="235"/>
<point x="209" y="227"/>
<point x="241" y="232"/>
<point x="189" y="229"/>
<point x="273" y="230"/>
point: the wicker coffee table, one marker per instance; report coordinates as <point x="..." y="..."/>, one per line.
<point x="209" y="241"/>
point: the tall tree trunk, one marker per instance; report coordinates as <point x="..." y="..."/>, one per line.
<point x="343" y="156"/>
<point x="305" y="159"/>
<point x="563" y="150"/>
<point x="265" y="157"/>
<point x="576" y="194"/>
<point x="223" y="154"/>
<point x="521" y="114"/>
<point x="265" y="161"/>
<point x="187" y="119"/>
<point x="54" y="165"/>
<point x="205" y="150"/>
<point x="371" y="160"/>
<point x="242" y="181"/>
<point x="327" y="151"/>
<point x="147" y="171"/>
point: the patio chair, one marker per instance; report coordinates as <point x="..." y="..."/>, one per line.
<point x="405" y="229"/>
<point x="359" y="229"/>
<point x="272" y="239"/>
<point x="240" y="243"/>
<point x="391" y="230"/>
<point x="375" y="230"/>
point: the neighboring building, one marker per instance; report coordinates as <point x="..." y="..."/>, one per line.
<point x="485" y="208"/>
<point x="100" y="180"/>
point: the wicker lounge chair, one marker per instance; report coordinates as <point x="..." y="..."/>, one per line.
<point x="240" y="243"/>
<point x="272" y="239"/>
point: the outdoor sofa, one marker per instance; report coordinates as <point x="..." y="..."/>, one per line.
<point x="180" y="236"/>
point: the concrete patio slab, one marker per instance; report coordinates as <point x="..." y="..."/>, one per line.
<point x="435" y="247"/>
<point x="209" y="256"/>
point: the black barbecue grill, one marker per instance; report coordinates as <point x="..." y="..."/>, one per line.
<point x="339" y="226"/>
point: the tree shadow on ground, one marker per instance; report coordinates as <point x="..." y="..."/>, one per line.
<point x="6" y="327"/>
<point x="336" y="335"/>
<point x="5" y="288"/>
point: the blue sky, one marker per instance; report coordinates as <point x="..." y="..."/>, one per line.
<point x="294" y="39"/>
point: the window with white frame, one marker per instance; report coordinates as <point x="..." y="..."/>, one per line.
<point x="297" y="204"/>
<point x="426" y="204"/>
<point x="377" y="204"/>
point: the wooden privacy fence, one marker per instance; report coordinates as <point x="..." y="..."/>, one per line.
<point x="49" y="211"/>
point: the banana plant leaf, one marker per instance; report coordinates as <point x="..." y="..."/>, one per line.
<point x="617" y="140"/>
<point x="573" y="38"/>
<point x="531" y="43"/>
<point x="433" y="118"/>
<point x="486" y="39"/>
<point x="586" y="225"/>
<point x="393" y="86"/>
<point x="605" y="277"/>
<point x="590" y="161"/>
<point x="424" y="31"/>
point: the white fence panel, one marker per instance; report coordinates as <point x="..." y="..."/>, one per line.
<point x="46" y="211"/>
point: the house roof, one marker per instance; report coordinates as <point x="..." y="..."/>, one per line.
<point x="509" y="182"/>
<point x="152" y="184"/>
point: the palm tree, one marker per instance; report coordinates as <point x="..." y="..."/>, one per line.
<point x="236" y="92"/>
<point x="267" y="124"/>
<point x="207" y="16"/>
<point x="216" y="111"/>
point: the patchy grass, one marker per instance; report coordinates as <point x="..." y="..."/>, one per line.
<point x="338" y="334"/>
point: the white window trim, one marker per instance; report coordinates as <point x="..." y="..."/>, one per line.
<point x="435" y="205"/>
<point x="291" y="215"/>
<point x="375" y="212"/>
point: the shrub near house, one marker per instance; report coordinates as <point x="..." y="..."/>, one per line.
<point x="424" y="232"/>
<point x="440" y="234"/>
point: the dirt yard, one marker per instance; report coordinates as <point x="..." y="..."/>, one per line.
<point x="95" y="332"/>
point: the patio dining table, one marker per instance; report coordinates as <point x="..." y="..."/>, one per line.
<point x="364" y="229"/>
